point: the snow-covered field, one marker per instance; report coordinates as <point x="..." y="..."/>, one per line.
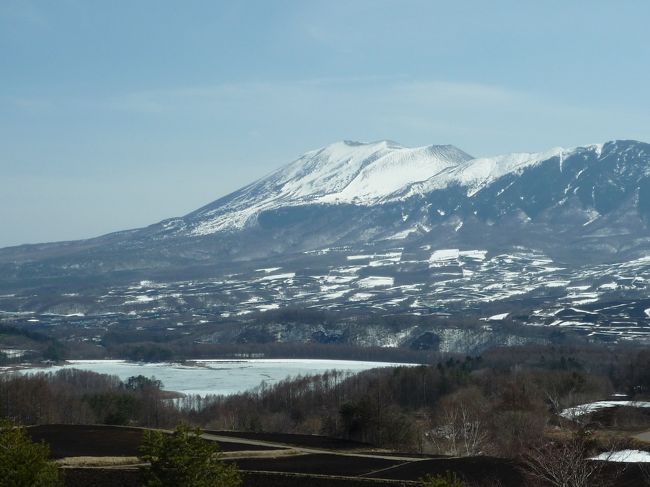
<point x="591" y="407"/>
<point x="391" y="281"/>
<point x="217" y="376"/>
<point x="624" y="456"/>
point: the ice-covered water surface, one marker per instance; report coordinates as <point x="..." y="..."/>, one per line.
<point x="216" y="376"/>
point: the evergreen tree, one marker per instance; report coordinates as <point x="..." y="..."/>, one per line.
<point x="184" y="458"/>
<point x="449" y="479"/>
<point x="24" y="463"/>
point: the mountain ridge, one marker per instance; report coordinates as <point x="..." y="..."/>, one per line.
<point x="383" y="172"/>
<point x="589" y="202"/>
<point x="342" y="172"/>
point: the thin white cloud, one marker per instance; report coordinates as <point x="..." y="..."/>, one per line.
<point x="481" y="118"/>
<point x="396" y="90"/>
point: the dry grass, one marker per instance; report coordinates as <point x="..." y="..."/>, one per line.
<point x="262" y="453"/>
<point x="87" y="461"/>
<point x="98" y="461"/>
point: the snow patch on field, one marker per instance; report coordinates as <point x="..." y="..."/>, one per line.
<point x="339" y="279"/>
<point x="499" y="317"/>
<point x="444" y="255"/>
<point x="275" y="277"/>
<point x="335" y="294"/>
<point x="142" y="299"/>
<point x="591" y="407"/>
<point x="608" y="286"/>
<point x="556" y="283"/>
<point x="268" y="270"/>
<point x="624" y="456"/>
<point x="268" y="307"/>
<point x="376" y="281"/>
<point x="474" y="254"/>
<point x="360" y="297"/>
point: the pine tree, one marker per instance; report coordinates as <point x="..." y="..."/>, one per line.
<point x="184" y="458"/>
<point x="24" y="463"/>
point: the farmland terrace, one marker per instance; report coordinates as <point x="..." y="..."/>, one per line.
<point x="449" y="300"/>
<point x="107" y="456"/>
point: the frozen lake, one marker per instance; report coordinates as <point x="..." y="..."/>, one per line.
<point x="216" y="376"/>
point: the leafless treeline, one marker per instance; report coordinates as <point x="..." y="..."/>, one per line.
<point x="72" y="396"/>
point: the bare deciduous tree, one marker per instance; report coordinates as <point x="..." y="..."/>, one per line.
<point x="644" y="468"/>
<point x="566" y="463"/>
<point x="461" y="428"/>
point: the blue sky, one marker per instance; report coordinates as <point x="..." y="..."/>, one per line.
<point x="118" y="114"/>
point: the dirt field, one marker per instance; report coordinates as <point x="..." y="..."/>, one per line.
<point x="109" y="441"/>
<point x="306" y="441"/>
<point x="473" y="469"/>
<point x="323" y="464"/>
<point x="307" y="461"/>
<point x="91" y="441"/>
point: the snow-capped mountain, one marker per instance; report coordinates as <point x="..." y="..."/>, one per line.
<point x="379" y="173"/>
<point x="585" y="203"/>
<point x="351" y="192"/>
<point x="344" y="172"/>
<point x="558" y="240"/>
<point x="362" y="174"/>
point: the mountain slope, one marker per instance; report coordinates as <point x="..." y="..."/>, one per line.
<point x="587" y="204"/>
<point x="351" y="173"/>
<point x="344" y="172"/>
